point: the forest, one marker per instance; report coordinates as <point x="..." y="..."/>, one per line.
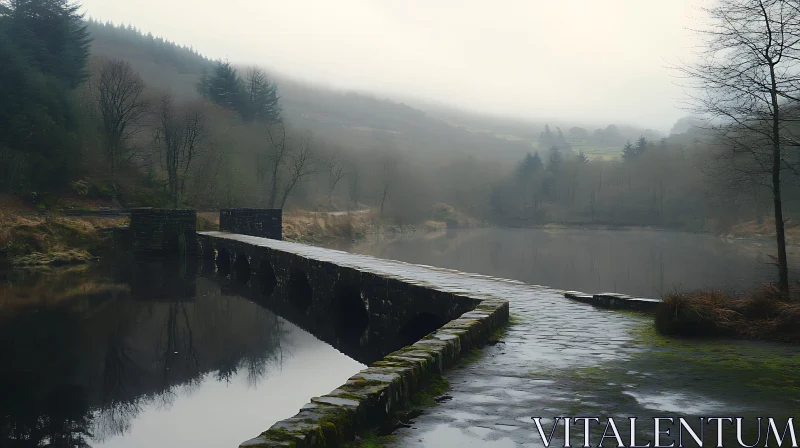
<point x="108" y="111"/>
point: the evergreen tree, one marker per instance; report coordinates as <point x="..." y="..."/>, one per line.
<point x="53" y="34"/>
<point x="225" y="86"/>
<point x="629" y="153"/>
<point x="641" y="145"/>
<point x="43" y="49"/>
<point x="255" y="97"/>
<point x="554" y="162"/>
<point x="204" y="84"/>
<point x="537" y="161"/>
<point x="529" y="166"/>
<point x="561" y="142"/>
<point x="260" y="97"/>
<point x="546" y="139"/>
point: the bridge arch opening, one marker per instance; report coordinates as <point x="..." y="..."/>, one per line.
<point x="206" y="249"/>
<point x="299" y="289"/>
<point x="268" y="278"/>
<point x="223" y="262"/>
<point x="350" y="315"/>
<point x="420" y="326"/>
<point x="241" y="268"/>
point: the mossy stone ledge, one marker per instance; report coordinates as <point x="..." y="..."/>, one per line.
<point x="370" y="397"/>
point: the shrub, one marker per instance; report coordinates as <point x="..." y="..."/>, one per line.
<point x="766" y="313"/>
<point x="696" y="314"/>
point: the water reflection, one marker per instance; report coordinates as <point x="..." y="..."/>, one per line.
<point x="145" y="354"/>
<point x="639" y="262"/>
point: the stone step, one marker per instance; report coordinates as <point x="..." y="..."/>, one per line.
<point x="613" y="300"/>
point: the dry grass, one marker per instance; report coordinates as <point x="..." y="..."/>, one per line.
<point x="304" y="226"/>
<point x="753" y="229"/>
<point x="763" y="314"/>
<point x="44" y="240"/>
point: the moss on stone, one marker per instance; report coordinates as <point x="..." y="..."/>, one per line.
<point x="470" y="357"/>
<point x="353" y="383"/>
<point x="349" y="396"/>
<point x="370" y="439"/>
<point x="281" y="435"/>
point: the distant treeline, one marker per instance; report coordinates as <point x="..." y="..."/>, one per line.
<point x="201" y="133"/>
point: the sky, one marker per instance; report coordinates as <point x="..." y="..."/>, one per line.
<point x="588" y="61"/>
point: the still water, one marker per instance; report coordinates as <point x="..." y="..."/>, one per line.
<point x="133" y="354"/>
<point x="143" y="355"/>
<point x="636" y="262"/>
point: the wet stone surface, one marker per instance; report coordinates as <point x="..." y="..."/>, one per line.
<point x="565" y="358"/>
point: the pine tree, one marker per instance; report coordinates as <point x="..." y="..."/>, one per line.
<point x="225" y="86"/>
<point x="529" y="166"/>
<point x="260" y="97"/>
<point x="629" y="153"/>
<point x="546" y="139"/>
<point x="43" y="48"/>
<point x="554" y="162"/>
<point x="53" y="34"/>
<point x="641" y="145"/>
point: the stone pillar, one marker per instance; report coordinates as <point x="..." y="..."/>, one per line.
<point x="261" y="222"/>
<point x="164" y="232"/>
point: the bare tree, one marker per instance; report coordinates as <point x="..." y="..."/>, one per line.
<point x="300" y="165"/>
<point x="179" y="134"/>
<point x="746" y="78"/>
<point x="119" y="94"/>
<point x="272" y="159"/>
<point x="388" y="171"/>
<point x="335" y="174"/>
<point x="355" y="187"/>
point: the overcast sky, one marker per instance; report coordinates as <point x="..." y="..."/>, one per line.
<point x="600" y="61"/>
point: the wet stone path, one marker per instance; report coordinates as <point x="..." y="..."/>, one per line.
<point x="564" y="358"/>
<point x="494" y="397"/>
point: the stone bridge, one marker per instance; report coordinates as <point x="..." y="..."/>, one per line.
<point x="339" y="297"/>
<point x="408" y="322"/>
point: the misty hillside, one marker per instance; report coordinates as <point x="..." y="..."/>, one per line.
<point x="350" y="119"/>
<point x="357" y="120"/>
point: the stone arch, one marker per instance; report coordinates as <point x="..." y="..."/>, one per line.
<point x="241" y="268"/>
<point x="206" y="249"/>
<point x="268" y="278"/>
<point x="223" y="262"/>
<point x="299" y="289"/>
<point x="419" y="326"/>
<point x="349" y="313"/>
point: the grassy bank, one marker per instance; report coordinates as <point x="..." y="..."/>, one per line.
<point x="34" y="240"/>
<point x="308" y="227"/>
<point x="763" y="314"/>
<point x="764" y="230"/>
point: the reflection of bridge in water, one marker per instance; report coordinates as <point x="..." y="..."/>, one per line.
<point x="81" y="371"/>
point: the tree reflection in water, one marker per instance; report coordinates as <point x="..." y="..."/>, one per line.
<point x="82" y="370"/>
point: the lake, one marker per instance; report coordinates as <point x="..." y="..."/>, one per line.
<point x="645" y="263"/>
<point x="142" y="354"/>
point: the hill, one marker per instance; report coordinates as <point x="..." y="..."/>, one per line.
<point x="351" y="119"/>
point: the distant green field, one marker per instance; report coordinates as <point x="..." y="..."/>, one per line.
<point x="591" y="151"/>
<point x="598" y="152"/>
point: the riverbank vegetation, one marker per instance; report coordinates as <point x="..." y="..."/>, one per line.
<point x="766" y="313"/>
<point x="33" y="240"/>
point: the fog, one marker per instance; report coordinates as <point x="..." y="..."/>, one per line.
<point x="588" y="61"/>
